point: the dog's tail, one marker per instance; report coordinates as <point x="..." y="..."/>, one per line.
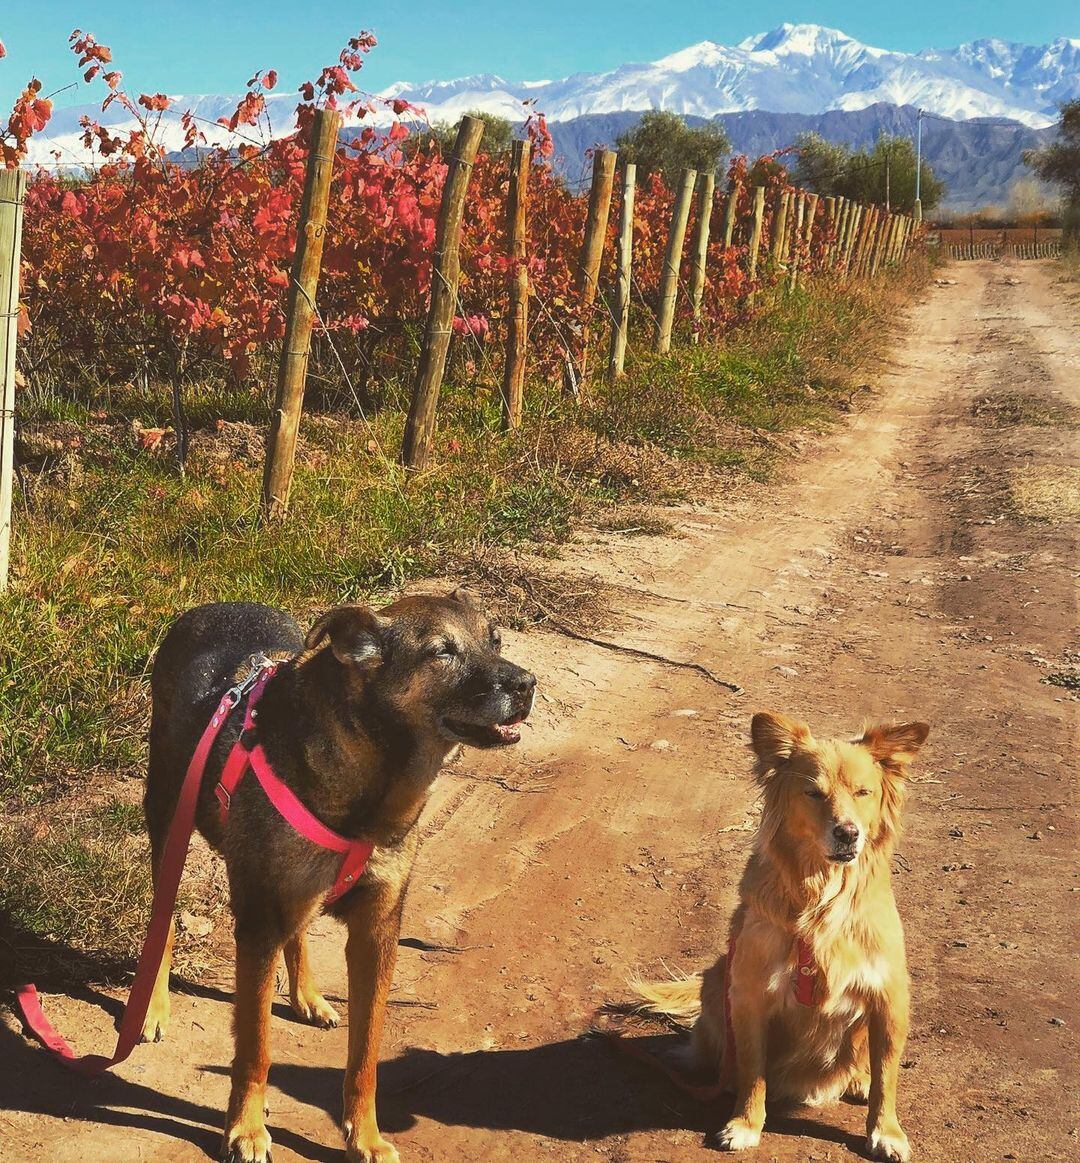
<point x="679" y="998"/>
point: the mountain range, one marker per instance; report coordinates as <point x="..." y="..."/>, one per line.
<point x="990" y="100"/>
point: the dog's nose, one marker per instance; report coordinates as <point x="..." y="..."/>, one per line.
<point x="846" y="832"/>
<point x="520" y="682"/>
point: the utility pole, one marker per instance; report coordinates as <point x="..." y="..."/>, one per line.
<point x="918" y="166"/>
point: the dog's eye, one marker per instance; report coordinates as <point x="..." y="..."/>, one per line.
<point x="815" y="793"/>
<point x="863" y="791"/>
<point x="445" y="650"/>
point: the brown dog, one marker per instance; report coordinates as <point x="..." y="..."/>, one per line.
<point x="815" y="903"/>
<point x="357" y="722"/>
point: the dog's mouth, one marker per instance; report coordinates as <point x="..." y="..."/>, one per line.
<point x="484" y="734"/>
<point x="844" y="855"/>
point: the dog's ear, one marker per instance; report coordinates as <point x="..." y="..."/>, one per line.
<point x="776" y="737"/>
<point x="357" y="634"/>
<point x="470" y="599"/>
<point x="895" y="745"/>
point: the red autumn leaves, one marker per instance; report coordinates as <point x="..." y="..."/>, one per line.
<point x="146" y="254"/>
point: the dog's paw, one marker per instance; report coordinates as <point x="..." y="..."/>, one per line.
<point x="858" y="1088"/>
<point x="888" y="1143"/>
<point x="155" y="1024"/>
<point x="246" y="1145"/>
<point x="369" y="1147"/>
<point x="738" y="1135"/>
<point x="316" y="1011"/>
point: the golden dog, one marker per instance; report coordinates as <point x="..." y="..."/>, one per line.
<point x="811" y="1001"/>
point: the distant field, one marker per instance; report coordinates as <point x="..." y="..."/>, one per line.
<point x="961" y="234"/>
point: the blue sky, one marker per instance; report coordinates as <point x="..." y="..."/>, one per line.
<point x="214" y="46"/>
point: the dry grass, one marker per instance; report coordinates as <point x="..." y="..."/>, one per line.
<point x="1047" y="493"/>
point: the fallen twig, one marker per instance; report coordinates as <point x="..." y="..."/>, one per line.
<point x="636" y="652"/>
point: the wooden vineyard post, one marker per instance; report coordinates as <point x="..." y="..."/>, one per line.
<point x="517" y="323"/>
<point x="755" y="237"/>
<point x="729" y="214"/>
<point x="865" y="234"/>
<point x="669" y="277"/>
<point x="846" y="219"/>
<point x="831" y="205"/>
<point x="12" y="190"/>
<point x="299" y="315"/>
<point x="839" y="249"/>
<point x="779" y="229"/>
<point x="812" y="202"/>
<point x="624" y="261"/>
<point x="446" y="268"/>
<point x="588" y="269"/>
<point x="894" y="240"/>
<point x="797" y="233"/>
<point x="878" y="249"/>
<point x="853" y="230"/>
<point x="700" y="245"/>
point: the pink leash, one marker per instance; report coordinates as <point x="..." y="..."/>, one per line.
<point x="355" y="856"/>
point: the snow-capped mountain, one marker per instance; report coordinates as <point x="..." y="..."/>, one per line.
<point x="796" y="68"/>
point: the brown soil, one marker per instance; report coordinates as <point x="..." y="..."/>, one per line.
<point x="891" y="576"/>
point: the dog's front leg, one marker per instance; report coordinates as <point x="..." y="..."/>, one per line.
<point x="371" y="951"/>
<point x="749" y="1022"/>
<point x="888" y="1033"/>
<point x="246" y="1139"/>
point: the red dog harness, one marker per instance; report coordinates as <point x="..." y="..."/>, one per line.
<point x="244" y="754"/>
<point x="247" y="754"/>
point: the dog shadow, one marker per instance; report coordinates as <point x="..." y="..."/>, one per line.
<point x="576" y="1090"/>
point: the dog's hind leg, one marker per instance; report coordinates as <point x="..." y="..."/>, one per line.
<point x="308" y="1003"/>
<point x="246" y="1138"/>
<point x="858" y="1086"/>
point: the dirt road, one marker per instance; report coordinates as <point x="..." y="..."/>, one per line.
<point x="893" y="575"/>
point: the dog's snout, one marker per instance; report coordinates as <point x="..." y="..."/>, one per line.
<point x="846" y="832"/>
<point x="519" y="682"/>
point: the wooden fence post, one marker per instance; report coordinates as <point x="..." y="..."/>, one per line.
<point x="699" y="247"/>
<point x="729" y="214"/>
<point x="779" y="229"/>
<point x="812" y="202"/>
<point x="588" y="269"/>
<point x="797" y="238"/>
<point x="446" y="268"/>
<point x="669" y="279"/>
<point x="831" y="218"/>
<point x="12" y="190"/>
<point x="841" y="232"/>
<point x="624" y="264"/>
<point x="865" y="237"/>
<point x="880" y="239"/>
<point x="300" y="315"/>
<point x="517" y="322"/>
<point x="853" y="231"/>
<point x="755" y="238"/>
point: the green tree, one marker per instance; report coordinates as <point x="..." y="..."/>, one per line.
<point x="822" y="165"/>
<point x="498" y="133"/>
<point x="663" y="143"/>
<point x="883" y="174"/>
<point x="1059" y="163"/>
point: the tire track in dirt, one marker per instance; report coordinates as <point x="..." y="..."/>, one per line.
<point x="853" y="572"/>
